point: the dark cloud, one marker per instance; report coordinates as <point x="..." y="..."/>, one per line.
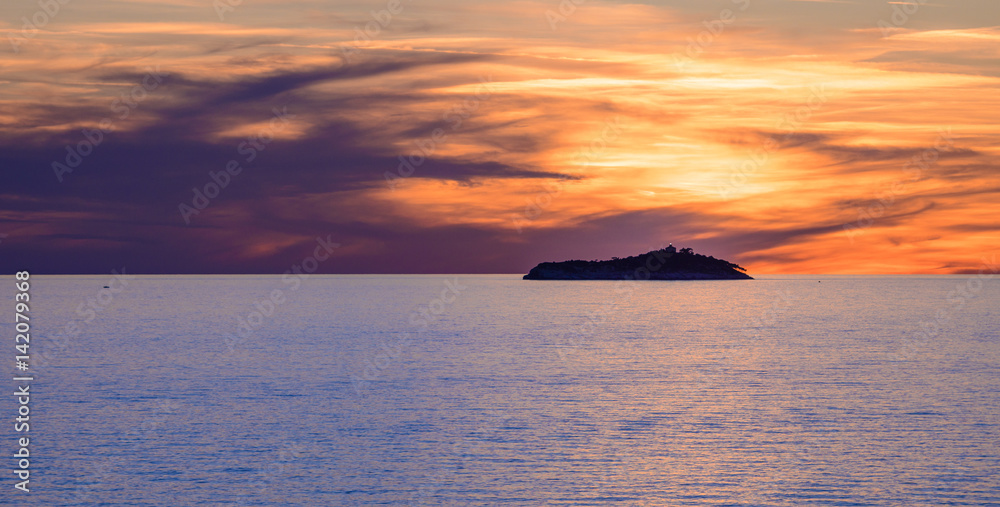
<point x="955" y="62"/>
<point x="855" y="159"/>
<point x="120" y="205"/>
<point x="856" y="154"/>
<point x="970" y="172"/>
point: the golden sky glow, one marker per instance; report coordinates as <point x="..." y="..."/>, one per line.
<point x="777" y="134"/>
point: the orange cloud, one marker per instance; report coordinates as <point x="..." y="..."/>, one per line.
<point x="793" y="149"/>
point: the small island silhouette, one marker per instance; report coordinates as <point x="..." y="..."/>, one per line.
<point x="663" y="264"/>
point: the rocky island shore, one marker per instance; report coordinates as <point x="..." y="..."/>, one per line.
<point x="664" y="264"/>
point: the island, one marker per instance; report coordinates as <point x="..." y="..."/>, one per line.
<point x="663" y="264"/>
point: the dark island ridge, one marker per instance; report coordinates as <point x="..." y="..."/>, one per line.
<point x="663" y="264"/>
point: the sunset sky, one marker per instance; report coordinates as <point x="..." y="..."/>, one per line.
<point x="789" y="136"/>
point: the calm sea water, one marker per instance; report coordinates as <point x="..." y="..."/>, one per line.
<point x="487" y="390"/>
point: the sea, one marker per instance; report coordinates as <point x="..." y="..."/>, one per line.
<point x="329" y="390"/>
